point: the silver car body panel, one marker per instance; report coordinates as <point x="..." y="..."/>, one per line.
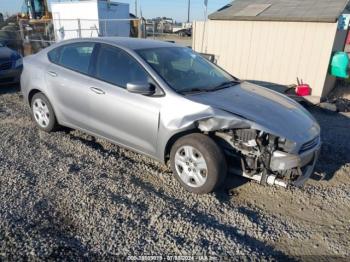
<point x="146" y="124"/>
<point x="265" y="110"/>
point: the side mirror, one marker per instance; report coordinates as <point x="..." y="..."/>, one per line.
<point x="142" y="88"/>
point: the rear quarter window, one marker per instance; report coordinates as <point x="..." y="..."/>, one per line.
<point x="53" y="55"/>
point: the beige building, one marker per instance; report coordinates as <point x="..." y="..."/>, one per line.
<point x="275" y="41"/>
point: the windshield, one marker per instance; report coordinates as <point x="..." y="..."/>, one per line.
<point x="186" y="71"/>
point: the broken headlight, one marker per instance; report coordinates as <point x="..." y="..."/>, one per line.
<point x="286" y="145"/>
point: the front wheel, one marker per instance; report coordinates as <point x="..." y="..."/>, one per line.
<point x="198" y="163"/>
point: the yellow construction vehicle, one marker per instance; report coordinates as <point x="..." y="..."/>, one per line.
<point x="36" y="10"/>
<point x="35" y="24"/>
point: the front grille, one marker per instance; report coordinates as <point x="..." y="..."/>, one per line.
<point x="6" y="65"/>
<point x="309" y="145"/>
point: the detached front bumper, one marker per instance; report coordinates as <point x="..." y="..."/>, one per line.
<point x="305" y="162"/>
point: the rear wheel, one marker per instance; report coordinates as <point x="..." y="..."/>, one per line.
<point x="43" y="113"/>
<point x="198" y="163"/>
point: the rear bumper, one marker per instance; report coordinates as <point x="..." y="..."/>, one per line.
<point x="11" y="76"/>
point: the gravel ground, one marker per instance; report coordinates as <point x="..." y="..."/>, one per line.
<point x="68" y="195"/>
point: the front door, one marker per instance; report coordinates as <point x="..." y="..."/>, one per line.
<point x="127" y="118"/>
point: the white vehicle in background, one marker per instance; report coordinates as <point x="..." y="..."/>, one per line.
<point x="184" y="30"/>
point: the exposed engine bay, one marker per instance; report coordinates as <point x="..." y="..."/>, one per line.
<point x="266" y="158"/>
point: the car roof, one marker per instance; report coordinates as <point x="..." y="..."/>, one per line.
<point x="126" y="42"/>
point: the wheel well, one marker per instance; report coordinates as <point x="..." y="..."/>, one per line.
<point x="31" y="94"/>
<point x="174" y="138"/>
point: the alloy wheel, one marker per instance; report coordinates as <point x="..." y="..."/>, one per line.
<point x="191" y="166"/>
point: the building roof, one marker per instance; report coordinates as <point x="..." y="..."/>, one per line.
<point x="326" y="11"/>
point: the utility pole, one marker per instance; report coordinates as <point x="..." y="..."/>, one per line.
<point x="205" y="10"/>
<point x="136" y="8"/>
<point x="189" y="11"/>
<point x="205" y="23"/>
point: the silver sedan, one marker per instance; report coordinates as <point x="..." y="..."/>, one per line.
<point x="171" y="104"/>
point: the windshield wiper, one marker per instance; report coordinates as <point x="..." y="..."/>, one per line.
<point x="193" y="91"/>
<point x="196" y="90"/>
<point x="225" y="84"/>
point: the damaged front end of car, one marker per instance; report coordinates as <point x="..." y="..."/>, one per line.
<point x="261" y="156"/>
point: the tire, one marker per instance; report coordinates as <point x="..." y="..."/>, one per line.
<point x="43" y="113"/>
<point x="193" y="153"/>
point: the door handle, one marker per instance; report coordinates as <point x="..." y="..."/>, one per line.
<point x="52" y="73"/>
<point x="97" y="90"/>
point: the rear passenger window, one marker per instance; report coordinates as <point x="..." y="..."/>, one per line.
<point x="73" y="56"/>
<point x="115" y="66"/>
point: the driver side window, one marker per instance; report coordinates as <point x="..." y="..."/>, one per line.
<point x="115" y="66"/>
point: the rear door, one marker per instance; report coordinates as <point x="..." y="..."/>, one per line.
<point x="69" y="82"/>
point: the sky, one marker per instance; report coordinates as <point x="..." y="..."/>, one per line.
<point x="176" y="9"/>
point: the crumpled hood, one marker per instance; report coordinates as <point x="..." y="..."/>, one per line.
<point x="275" y="112"/>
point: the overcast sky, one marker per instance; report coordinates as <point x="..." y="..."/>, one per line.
<point x="176" y="9"/>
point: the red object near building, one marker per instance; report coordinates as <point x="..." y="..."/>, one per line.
<point x="303" y="90"/>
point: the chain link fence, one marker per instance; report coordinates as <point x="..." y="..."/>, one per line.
<point x="77" y="28"/>
<point x="30" y="36"/>
<point x="36" y="35"/>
